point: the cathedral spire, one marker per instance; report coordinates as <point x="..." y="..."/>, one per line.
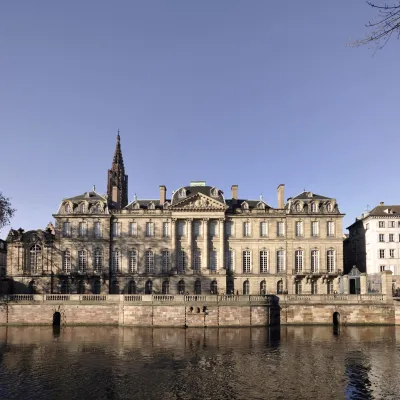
<point x="117" y="181"/>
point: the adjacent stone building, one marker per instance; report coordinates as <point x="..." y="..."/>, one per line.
<point x="194" y="241"/>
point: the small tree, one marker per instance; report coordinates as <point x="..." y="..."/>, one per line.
<point x="6" y="211"/>
<point x="384" y="25"/>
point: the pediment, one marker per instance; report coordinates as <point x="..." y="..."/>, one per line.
<point x="199" y="202"/>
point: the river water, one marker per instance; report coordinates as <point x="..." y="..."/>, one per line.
<point x="247" y="363"/>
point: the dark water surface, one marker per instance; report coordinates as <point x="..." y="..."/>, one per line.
<point x="257" y="363"/>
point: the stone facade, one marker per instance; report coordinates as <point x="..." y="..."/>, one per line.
<point x="197" y="242"/>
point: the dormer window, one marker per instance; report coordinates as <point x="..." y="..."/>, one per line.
<point x="314" y="207"/>
<point x="261" y="205"/>
<point x="214" y="192"/>
<point x="309" y="194"/>
<point x="67" y="208"/>
<point x="182" y="193"/>
<point x="152" y="206"/>
<point x="82" y="208"/>
<point x="136" y="206"/>
<point x="245" y="206"/>
<point x="329" y="207"/>
<point x="297" y="207"/>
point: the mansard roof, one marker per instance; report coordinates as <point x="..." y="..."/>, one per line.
<point x="385" y="211"/>
<point x="145" y="203"/>
<point x="91" y="196"/>
<point x="307" y="195"/>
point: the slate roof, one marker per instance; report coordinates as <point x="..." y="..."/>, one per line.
<point x="192" y="190"/>
<point x="89" y="196"/>
<point x="379" y="211"/>
<point x="305" y="196"/>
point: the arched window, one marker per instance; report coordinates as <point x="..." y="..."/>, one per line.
<point x="98" y="260"/>
<point x="114" y="287"/>
<point x="246" y="287"/>
<point x="314" y="287"/>
<point x="214" y="287"/>
<point x="66" y="261"/>
<point x="148" y="288"/>
<point x="197" y="287"/>
<point x="65" y="286"/>
<point x="97" y="287"/>
<point x="279" y="287"/>
<point x="230" y="286"/>
<point x="132" y="289"/>
<point x="298" y="207"/>
<point x="298" y="287"/>
<point x="81" y="287"/>
<point x="165" y="287"/>
<point x="67" y="208"/>
<point x="263" y="287"/>
<point x="182" y="193"/>
<point x="329" y="207"/>
<point x="181" y="287"/>
<point x="314" y="207"/>
<point x="32" y="287"/>
<point x="35" y="258"/>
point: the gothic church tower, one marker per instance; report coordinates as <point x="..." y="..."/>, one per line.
<point x="117" y="181"/>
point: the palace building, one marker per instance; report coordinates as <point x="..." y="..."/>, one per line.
<point x="197" y="241"/>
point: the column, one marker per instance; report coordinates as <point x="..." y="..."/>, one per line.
<point x="173" y="244"/>
<point x="221" y="245"/>
<point x="189" y="243"/>
<point x="205" y="258"/>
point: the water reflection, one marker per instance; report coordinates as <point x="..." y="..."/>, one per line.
<point x="252" y="363"/>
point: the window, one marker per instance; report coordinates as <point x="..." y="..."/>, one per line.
<point x="263" y="287"/>
<point x="298" y="207"/>
<point x="381" y="237"/>
<point x="246" y="229"/>
<point x="148" y="287"/>
<point x="298" y="287"/>
<point x="280" y="261"/>
<point x="382" y="268"/>
<point x="213" y="260"/>
<point x="197" y="287"/>
<point x="116" y="229"/>
<point x="97" y="229"/>
<point x="230" y="260"/>
<point x="299" y="228"/>
<point x="315" y="228"/>
<point x="391" y="237"/>
<point x="330" y="287"/>
<point x="246" y="261"/>
<point x="67" y="208"/>
<point x="330" y="229"/>
<point x="279" y="287"/>
<point x="166" y="261"/>
<point x="149" y="262"/>
<point x="116" y="261"/>
<point x="214" y="287"/>
<point x="382" y="253"/>
<point x="149" y="229"/>
<point x="132" y="289"/>
<point x="98" y="260"/>
<point x="197" y="229"/>
<point x="246" y="288"/>
<point x="314" y="207"/>
<point x="330" y="260"/>
<point x="181" y="262"/>
<point x="298" y="261"/>
<point x="391" y="253"/>
<point x="280" y="229"/>
<point x="67" y="229"/>
<point x="229" y="228"/>
<point x="381" y="224"/>
<point x="314" y="260"/>
<point x="329" y="207"/>
<point x="197" y="260"/>
<point x="181" y="228"/>
<point x="82" y="208"/>
<point x="166" y="229"/>
<point x="82" y="261"/>
<point x="82" y="229"/>
<point x="165" y="287"/>
<point x="314" y="287"/>
<point x="264" y="229"/>
<point x="133" y="228"/>
<point x="213" y="228"/>
<point x="263" y="261"/>
<point x="133" y="261"/>
<point x="67" y="261"/>
<point x="392" y="224"/>
<point x="181" y="287"/>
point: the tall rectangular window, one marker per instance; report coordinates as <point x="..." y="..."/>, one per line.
<point x="381" y="253"/>
<point x="149" y="229"/>
<point x="298" y="260"/>
<point x="197" y="260"/>
<point x="230" y="260"/>
<point x="381" y="224"/>
<point x="246" y="261"/>
<point x="133" y="229"/>
<point x="67" y="261"/>
<point x="82" y="229"/>
<point x="280" y="229"/>
<point x="181" y="262"/>
<point x="314" y="260"/>
<point x="133" y="261"/>
<point x="381" y="237"/>
<point x="264" y="229"/>
<point x="166" y="261"/>
<point x="263" y="261"/>
<point x="382" y="268"/>
<point x="116" y="261"/>
<point x="330" y="287"/>
<point x="197" y="229"/>
<point x="391" y="237"/>
<point x="149" y="262"/>
<point x="280" y="261"/>
<point x="213" y="260"/>
<point x="392" y="224"/>
<point x="97" y="229"/>
<point x="315" y="228"/>
<point x="229" y="228"/>
<point x="181" y="228"/>
<point x="330" y="228"/>
<point x="213" y="228"/>
<point x="330" y="260"/>
<point x="82" y="261"/>
<point x="67" y="229"/>
<point x="391" y="253"/>
<point x="116" y="229"/>
<point x="98" y="261"/>
<point x="299" y="228"/>
<point x="246" y="229"/>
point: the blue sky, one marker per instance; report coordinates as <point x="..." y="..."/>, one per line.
<point x="252" y="92"/>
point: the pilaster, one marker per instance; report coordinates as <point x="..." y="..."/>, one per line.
<point x="205" y="259"/>
<point x="189" y="223"/>
<point x="221" y="261"/>
<point x="173" y="244"/>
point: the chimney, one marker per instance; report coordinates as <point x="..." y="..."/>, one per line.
<point x="234" y="191"/>
<point x="281" y="196"/>
<point x="382" y="203"/>
<point x="163" y="194"/>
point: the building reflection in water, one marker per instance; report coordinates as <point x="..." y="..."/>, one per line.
<point x="227" y="363"/>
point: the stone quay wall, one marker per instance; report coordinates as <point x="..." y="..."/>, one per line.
<point x="198" y="310"/>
